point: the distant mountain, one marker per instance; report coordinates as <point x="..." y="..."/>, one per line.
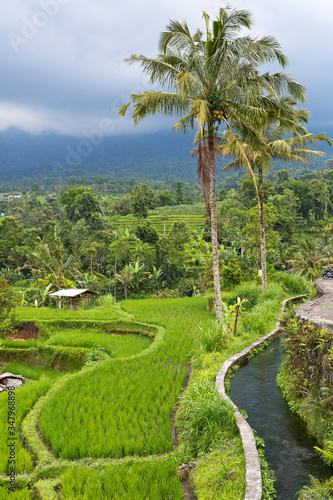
<point x="26" y="158"/>
<point x="35" y="157"/>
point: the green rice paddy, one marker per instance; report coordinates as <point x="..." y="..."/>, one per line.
<point x="150" y="480"/>
<point x="117" y="346"/>
<point x="127" y="404"/>
<point x="163" y="223"/>
<point x="111" y="420"/>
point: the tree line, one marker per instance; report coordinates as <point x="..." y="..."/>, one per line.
<point x="81" y="238"/>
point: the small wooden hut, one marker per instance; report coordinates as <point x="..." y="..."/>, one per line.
<point x="9" y="380"/>
<point x="74" y="297"/>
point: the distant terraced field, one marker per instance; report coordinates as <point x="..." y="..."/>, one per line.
<point x="164" y="217"/>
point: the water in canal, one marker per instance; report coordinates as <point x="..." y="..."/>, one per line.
<point x="289" y="449"/>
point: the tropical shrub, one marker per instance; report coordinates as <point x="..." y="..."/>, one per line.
<point x="205" y="417"/>
<point x="293" y="283"/>
<point x="210" y="338"/>
<point x="231" y="274"/>
<point x="8" y="301"/>
<point x="185" y="287"/>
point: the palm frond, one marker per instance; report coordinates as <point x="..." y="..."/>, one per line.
<point x="150" y="103"/>
<point x="185" y="123"/>
<point x="162" y="69"/>
<point x="234" y="147"/>
<point x="177" y="36"/>
<point x="189" y="85"/>
<point x="281" y="83"/>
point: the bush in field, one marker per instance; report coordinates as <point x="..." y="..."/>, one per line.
<point x="260" y="316"/>
<point x="210" y="338"/>
<point x="8" y="301"/>
<point x="179" y="235"/>
<point x="185" y="287"/>
<point x="96" y="354"/>
<point x="205" y="416"/>
<point x="261" y="308"/>
<point x="293" y="283"/>
<point x="250" y="291"/>
<point x="166" y="293"/>
<point x="253" y="293"/>
<point x="231" y="274"/>
<point x="146" y="232"/>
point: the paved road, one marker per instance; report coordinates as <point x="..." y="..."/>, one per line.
<point x="319" y="311"/>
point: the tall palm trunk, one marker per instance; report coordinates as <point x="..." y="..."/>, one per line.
<point x="59" y="278"/>
<point x="262" y="230"/>
<point x="213" y="223"/>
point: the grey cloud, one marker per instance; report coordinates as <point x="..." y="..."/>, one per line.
<point x="67" y="75"/>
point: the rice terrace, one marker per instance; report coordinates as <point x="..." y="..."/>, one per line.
<point x="98" y="422"/>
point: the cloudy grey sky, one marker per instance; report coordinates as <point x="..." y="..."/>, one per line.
<point x="60" y="59"/>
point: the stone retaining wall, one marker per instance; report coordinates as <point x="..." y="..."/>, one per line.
<point x="253" y="471"/>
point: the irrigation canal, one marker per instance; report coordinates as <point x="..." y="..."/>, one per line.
<point x="289" y="449"/>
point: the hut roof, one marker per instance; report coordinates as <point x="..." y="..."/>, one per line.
<point x="9" y="375"/>
<point x="71" y="292"/>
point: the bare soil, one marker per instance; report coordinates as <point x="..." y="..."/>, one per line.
<point x="25" y="331"/>
<point x="184" y="475"/>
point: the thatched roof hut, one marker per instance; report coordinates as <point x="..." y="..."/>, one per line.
<point x="75" y="297"/>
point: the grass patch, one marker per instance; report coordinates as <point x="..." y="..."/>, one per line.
<point x="123" y="407"/>
<point x="106" y="311"/>
<point x="31" y="372"/>
<point x="253" y="293"/>
<point x="205" y="418"/>
<point x="293" y="283"/>
<point x="18" y="344"/>
<point x="6" y="494"/>
<point x="221" y="474"/>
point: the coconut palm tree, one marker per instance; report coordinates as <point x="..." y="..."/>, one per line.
<point x="295" y="148"/>
<point x="211" y="78"/>
<point x="309" y="258"/>
<point x="125" y="276"/>
<point x="54" y="261"/>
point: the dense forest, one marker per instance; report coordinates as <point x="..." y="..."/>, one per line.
<point x="137" y="239"/>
